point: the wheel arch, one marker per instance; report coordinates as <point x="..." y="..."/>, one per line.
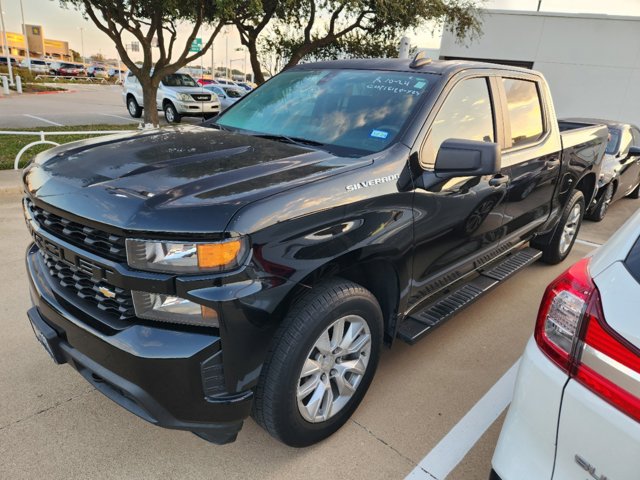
<point x="376" y="274"/>
<point x="587" y="185"/>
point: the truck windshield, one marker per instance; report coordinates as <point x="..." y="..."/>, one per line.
<point x="362" y="110"/>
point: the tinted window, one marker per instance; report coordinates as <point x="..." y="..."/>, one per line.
<point x="525" y="113"/>
<point x="179" y="80"/>
<point x="632" y="262"/>
<point x="614" y="140"/>
<point x="361" y="110"/>
<point x="465" y="114"/>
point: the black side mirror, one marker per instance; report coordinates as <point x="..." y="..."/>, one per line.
<point x="465" y="158"/>
<point x="634" y="151"/>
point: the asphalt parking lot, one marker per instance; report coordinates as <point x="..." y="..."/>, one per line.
<point x="80" y="105"/>
<point x="54" y="425"/>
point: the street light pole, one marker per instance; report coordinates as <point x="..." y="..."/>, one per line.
<point x="6" y="44"/>
<point x="82" y="43"/>
<point x="24" y="34"/>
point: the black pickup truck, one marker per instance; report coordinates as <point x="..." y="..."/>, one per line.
<point x="256" y="265"/>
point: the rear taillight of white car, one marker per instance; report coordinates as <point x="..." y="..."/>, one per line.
<point x="572" y="332"/>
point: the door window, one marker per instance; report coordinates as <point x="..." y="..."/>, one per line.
<point x="525" y="113"/>
<point x="635" y="133"/>
<point x="465" y="114"/>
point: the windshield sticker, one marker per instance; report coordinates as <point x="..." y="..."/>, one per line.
<point x="420" y="85"/>
<point x="379" y="134"/>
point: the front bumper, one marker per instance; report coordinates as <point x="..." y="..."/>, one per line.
<point x="156" y="373"/>
<point x="197" y="108"/>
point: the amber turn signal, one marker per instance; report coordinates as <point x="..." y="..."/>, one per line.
<point x="212" y="255"/>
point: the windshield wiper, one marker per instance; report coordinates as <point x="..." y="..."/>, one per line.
<point x="287" y="139"/>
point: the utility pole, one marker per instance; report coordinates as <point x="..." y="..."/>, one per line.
<point x="82" y="43"/>
<point x="6" y="45"/>
<point x="226" y="58"/>
<point x="539" y="4"/>
<point x="24" y="34"/>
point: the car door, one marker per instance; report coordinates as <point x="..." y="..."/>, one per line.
<point x="457" y="219"/>
<point x="531" y="155"/>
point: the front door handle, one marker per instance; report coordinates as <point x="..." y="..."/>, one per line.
<point x="499" y="180"/>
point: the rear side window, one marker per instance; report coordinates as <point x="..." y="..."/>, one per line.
<point x="525" y="113"/>
<point x="466" y="114"/>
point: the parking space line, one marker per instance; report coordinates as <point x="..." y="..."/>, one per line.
<point x="446" y="455"/>
<point x="588" y="243"/>
<point x="44" y="120"/>
<point x="130" y="119"/>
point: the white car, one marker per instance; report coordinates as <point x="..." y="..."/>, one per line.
<point x="178" y="96"/>
<point x="227" y="95"/>
<point x="37" y="65"/>
<point x="576" y="407"/>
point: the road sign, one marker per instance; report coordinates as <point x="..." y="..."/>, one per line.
<point x="196" y="45"/>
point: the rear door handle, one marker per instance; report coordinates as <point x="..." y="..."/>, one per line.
<point x="499" y="180"/>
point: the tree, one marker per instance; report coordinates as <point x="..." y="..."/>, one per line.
<point x="75" y="56"/>
<point x="98" y="57"/>
<point x="300" y="28"/>
<point x="151" y="21"/>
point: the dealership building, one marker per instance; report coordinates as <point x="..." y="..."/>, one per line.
<point x="592" y="62"/>
<point x="39" y="46"/>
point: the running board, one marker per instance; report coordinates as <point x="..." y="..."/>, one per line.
<point x="417" y="325"/>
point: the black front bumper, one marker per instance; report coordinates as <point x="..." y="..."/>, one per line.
<point x="155" y="373"/>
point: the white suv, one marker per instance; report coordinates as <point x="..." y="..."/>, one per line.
<point x="576" y="407"/>
<point x="178" y="96"/>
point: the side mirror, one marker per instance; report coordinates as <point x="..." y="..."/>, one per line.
<point x="466" y="158"/>
<point x="634" y="151"/>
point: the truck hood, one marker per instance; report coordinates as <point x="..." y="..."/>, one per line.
<point x="180" y="179"/>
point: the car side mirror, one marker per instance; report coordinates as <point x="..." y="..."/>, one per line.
<point x="466" y="158"/>
<point x="634" y="151"/>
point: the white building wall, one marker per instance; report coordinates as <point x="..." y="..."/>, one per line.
<point x="592" y="62"/>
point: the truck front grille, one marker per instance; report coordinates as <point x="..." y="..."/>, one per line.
<point x="111" y="300"/>
<point x="92" y="239"/>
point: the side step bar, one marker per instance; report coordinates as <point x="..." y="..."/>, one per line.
<point x="416" y="326"/>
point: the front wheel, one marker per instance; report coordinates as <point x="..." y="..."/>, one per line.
<point x="321" y="364"/>
<point x="557" y="246"/>
<point x="171" y="115"/>
<point x="134" y="109"/>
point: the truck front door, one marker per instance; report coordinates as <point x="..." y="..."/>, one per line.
<point x="456" y="219"/>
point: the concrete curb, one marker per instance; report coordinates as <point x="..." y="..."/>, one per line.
<point x="10" y="182"/>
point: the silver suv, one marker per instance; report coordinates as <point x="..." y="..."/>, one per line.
<point x="178" y="96"/>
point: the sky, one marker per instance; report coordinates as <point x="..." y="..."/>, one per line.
<point x="64" y="24"/>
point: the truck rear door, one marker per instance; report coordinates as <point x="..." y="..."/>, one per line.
<point x="531" y="156"/>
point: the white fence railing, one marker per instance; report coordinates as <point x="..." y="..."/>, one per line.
<point x="44" y="141"/>
<point x="55" y="78"/>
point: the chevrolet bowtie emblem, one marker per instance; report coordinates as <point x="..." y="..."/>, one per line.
<point x="106" y="292"/>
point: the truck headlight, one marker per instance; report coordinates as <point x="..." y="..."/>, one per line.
<point x="184" y="97"/>
<point x="168" y="308"/>
<point x="177" y="257"/>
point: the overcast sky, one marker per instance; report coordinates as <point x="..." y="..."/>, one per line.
<point x="62" y="24"/>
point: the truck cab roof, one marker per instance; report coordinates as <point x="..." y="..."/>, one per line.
<point x="438" y="67"/>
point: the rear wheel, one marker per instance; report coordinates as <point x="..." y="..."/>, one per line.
<point x="171" y="115"/>
<point x="135" y="110"/>
<point x="321" y="364"/>
<point x="556" y="246"/>
<point x="602" y="205"/>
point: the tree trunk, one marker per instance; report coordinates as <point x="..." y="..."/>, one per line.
<point x="149" y="93"/>
<point x="252" y="46"/>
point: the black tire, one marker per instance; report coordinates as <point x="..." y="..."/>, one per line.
<point x="275" y="406"/>
<point x="550" y="245"/>
<point x="597" y="213"/>
<point x="133" y="108"/>
<point x="171" y="115"/>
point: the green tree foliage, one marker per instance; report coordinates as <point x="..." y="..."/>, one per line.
<point x="151" y="23"/>
<point x="297" y="29"/>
